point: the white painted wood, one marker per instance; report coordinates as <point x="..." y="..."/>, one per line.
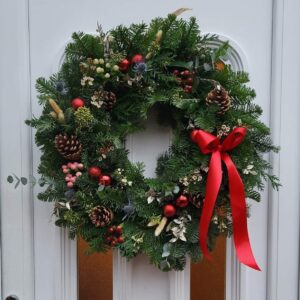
<point x="146" y="146"/>
<point x="273" y="225"/>
<point x="122" y="278"/>
<point x="17" y="271"/>
<point x="283" y="243"/>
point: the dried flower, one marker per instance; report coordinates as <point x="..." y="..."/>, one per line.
<point x="87" y="81"/>
<point x="178" y="228"/>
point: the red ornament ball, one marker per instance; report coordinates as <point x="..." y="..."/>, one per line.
<point x="169" y="210"/>
<point x="182" y="201"/>
<point x="124" y="65"/>
<point x="104" y="180"/>
<point x="137" y="58"/>
<point x="94" y="171"/>
<point x="77" y="102"/>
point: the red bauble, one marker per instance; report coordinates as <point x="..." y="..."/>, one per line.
<point x="137" y="58"/>
<point x="124" y="65"/>
<point x="77" y="102"/>
<point x="182" y="201"/>
<point x="104" y="180"/>
<point x="169" y="210"/>
<point x="94" y="171"/>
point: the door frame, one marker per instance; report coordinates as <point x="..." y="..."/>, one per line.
<point x="282" y="271"/>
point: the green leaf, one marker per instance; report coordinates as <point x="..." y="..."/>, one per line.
<point x="10" y="179"/>
<point x="24" y="180"/>
<point x="182" y="64"/>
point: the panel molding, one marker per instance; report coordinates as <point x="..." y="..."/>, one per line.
<point x="180" y="286"/>
<point x="17" y="238"/>
<point x="122" y="277"/>
<point x="284" y="209"/>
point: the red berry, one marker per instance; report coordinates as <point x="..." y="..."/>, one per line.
<point x="124" y="65"/>
<point x="108" y="239"/>
<point x="186" y="73"/>
<point x="189" y="80"/>
<point x="110" y="230"/>
<point x="104" y="180"/>
<point x="113" y="243"/>
<point x="77" y="102"/>
<point x="120" y="240"/>
<point x="169" y="210"/>
<point x="188" y="89"/>
<point x="182" y="201"/>
<point x="119" y="229"/>
<point x="94" y="171"/>
<point x="175" y="72"/>
<point x="137" y="58"/>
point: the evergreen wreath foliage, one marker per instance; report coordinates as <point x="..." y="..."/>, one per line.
<point x="116" y="78"/>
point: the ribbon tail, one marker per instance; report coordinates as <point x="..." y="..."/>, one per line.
<point x="239" y="215"/>
<point x="213" y="184"/>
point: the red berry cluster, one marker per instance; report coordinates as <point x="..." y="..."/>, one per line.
<point x="72" y="171"/>
<point x="170" y="209"/>
<point x="114" y="236"/>
<point x="185" y="78"/>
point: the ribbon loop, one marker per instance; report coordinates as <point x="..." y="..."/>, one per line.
<point x="234" y="138"/>
<point x="205" y="141"/>
<point x="208" y="143"/>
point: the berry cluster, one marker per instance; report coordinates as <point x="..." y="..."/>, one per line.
<point x="114" y="236"/>
<point x="72" y="171"/>
<point x="185" y="78"/>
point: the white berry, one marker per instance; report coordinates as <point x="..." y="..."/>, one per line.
<point x="99" y="70"/>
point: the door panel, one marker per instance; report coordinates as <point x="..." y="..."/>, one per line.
<point x="34" y="33"/>
<point x="95" y="274"/>
<point x="208" y="277"/>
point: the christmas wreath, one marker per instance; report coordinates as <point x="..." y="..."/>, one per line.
<point x="103" y="91"/>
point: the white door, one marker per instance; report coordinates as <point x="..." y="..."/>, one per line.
<point x="37" y="259"/>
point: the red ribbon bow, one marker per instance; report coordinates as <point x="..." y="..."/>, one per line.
<point x="208" y="143"/>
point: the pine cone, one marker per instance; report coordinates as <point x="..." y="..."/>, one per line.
<point x="101" y="216"/>
<point x="109" y="99"/>
<point x="68" y="146"/>
<point x="219" y="96"/>
<point x="196" y="199"/>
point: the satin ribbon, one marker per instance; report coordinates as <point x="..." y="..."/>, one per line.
<point x="209" y="143"/>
